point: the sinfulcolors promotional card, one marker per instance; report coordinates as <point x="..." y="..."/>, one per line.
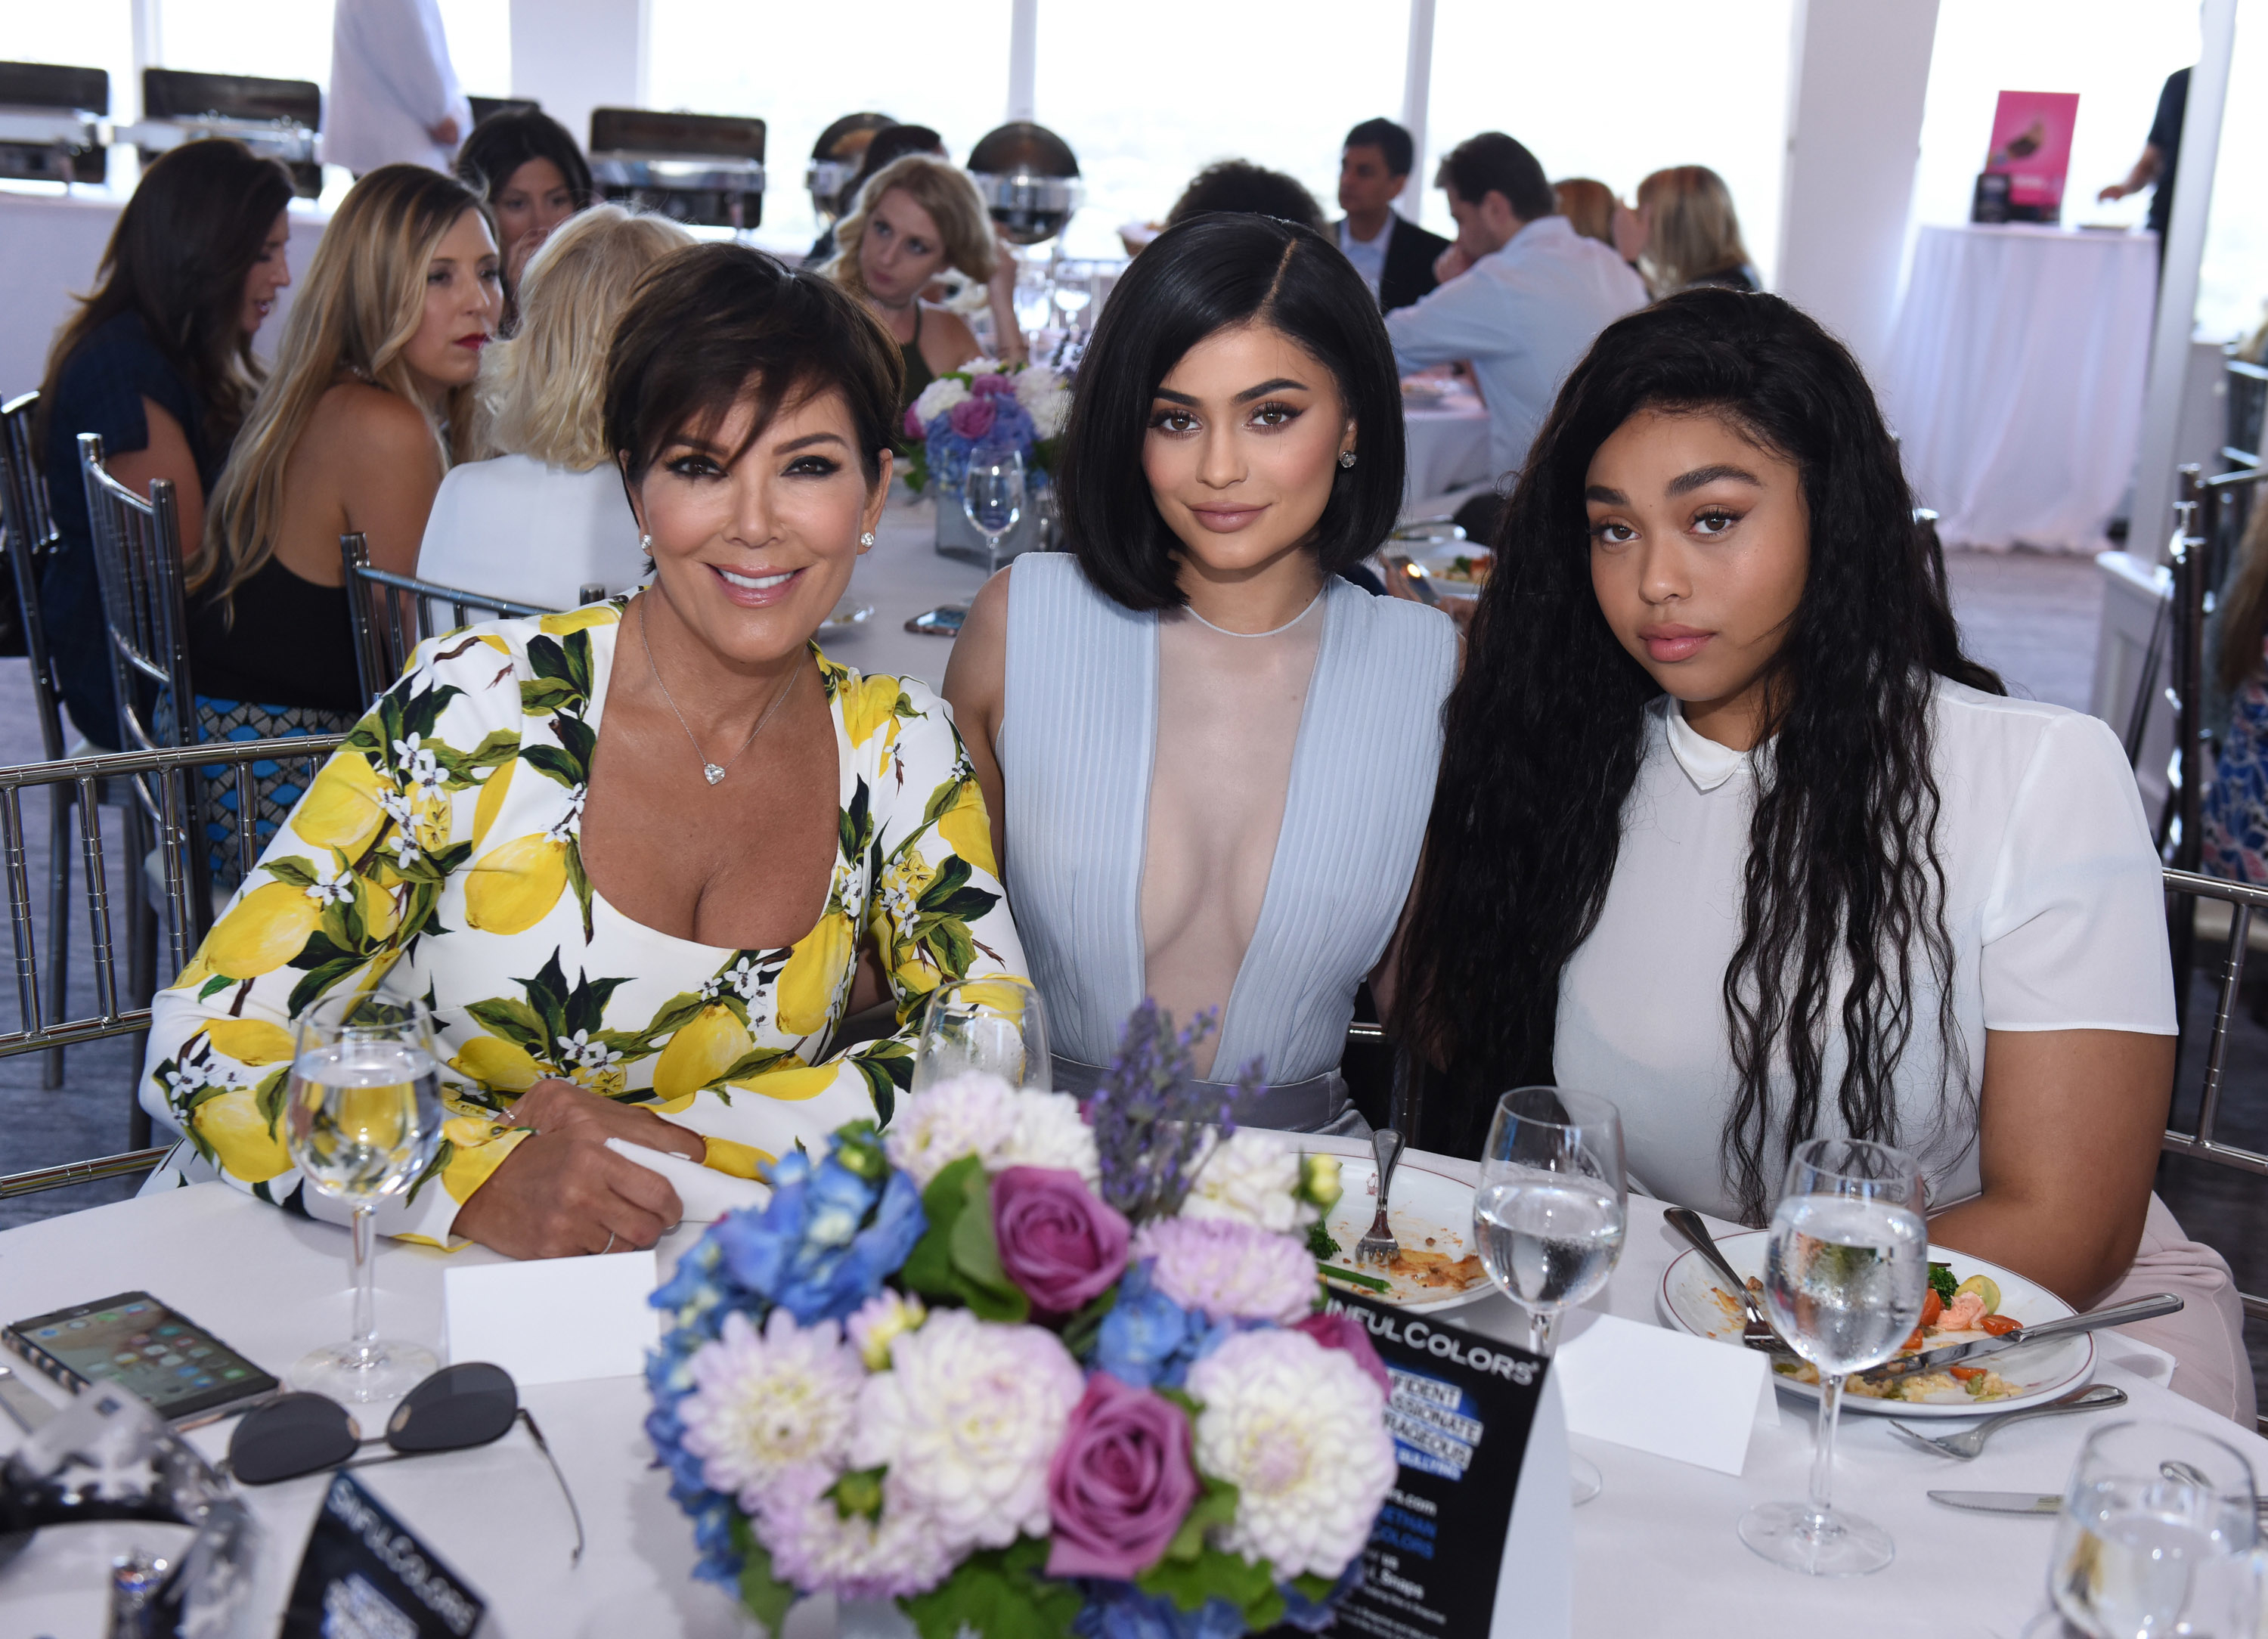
<point x="365" y="1576"/>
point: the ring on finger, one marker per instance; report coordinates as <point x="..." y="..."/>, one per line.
<point x="609" y="1247"/>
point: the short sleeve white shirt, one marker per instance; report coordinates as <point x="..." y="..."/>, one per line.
<point x="2052" y="898"/>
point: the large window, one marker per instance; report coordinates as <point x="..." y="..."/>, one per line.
<point x="1614" y="89"/>
<point x="801" y="68"/>
<point x="1145" y="106"/>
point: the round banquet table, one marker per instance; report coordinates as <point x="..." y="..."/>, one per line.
<point x="2015" y="379"/>
<point x="1447" y="445"/>
<point x="1655" y="1553"/>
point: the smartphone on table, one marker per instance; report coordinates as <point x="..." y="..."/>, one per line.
<point x="132" y="1340"/>
<point x="942" y="621"/>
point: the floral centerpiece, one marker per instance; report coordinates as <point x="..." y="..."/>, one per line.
<point x="1029" y="1370"/>
<point x="985" y="401"/>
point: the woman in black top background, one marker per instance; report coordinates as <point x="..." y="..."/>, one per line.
<point x="158" y="362"/>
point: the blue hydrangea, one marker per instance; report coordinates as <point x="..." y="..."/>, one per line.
<point x="1119" y="1610"/>
<point x="807" y="1252"/>
<point x="1313" y="1616"/>
<point x="1151" y="1341"/>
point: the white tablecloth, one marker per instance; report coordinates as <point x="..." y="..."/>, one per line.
<point x="50" y="246"/>
<point x="1448" y="447"/>
<point x="2015" y="379"/>
<point x="1654" y="1554"/>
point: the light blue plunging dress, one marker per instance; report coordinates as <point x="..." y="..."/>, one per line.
<point x="1076" y="744"/>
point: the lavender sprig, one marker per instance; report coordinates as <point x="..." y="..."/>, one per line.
<point x="1150" y="1114"/>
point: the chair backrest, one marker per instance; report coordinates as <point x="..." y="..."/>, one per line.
<point x="393" y="613"/>
<point x="2201" y="1142"/>
<point x="30" y="527"/>
<point x="137" y="558"/>
<point x="170" y="772"/>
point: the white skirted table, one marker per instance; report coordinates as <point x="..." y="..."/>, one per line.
<point x="2015" y="379"/>
<point x="1655" y="1553"/>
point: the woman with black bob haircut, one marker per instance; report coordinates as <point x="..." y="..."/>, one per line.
<point x="632" y="853"/>
<point x="1729" y="829"/>
<point x="526" y="166"/>
<point x="1210" y="756"/>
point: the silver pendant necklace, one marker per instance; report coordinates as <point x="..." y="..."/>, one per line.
<point x="710" y="771"/>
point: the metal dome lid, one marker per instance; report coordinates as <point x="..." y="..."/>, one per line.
<point x="1028" y="177"/>
<point x="835" y="159"/>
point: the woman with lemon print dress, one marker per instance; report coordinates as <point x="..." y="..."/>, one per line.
<point x="633" y="855"/>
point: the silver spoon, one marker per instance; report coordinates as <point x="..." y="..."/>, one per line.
<point x="1969" y="1442"/>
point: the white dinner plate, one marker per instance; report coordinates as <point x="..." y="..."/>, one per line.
<point x="1430" y="1212"/>
<point x="849" y="611"/>
<point x="1436" y="557"/>
<point x="1689" y="1300"/>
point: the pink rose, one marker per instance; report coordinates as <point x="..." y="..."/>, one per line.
<point x="971" y="418"/>
<point x="1344" y="1332"/>
<point x="993" y="387"/>
<point x="1120" y="1483"/>
<point x="1057" y="1242"/>
<point x="914" y="428"/>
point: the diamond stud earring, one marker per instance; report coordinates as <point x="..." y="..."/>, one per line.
<point x="1346" y="457"/>
<point x="645" y="545"/>
<point x="865" y="540"/>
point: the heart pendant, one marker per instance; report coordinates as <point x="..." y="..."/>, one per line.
<point x="713" y="771"/>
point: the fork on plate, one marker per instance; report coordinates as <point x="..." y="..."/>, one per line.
<point x="1970" y="1441"/>
<point x="1379" y="1244"/>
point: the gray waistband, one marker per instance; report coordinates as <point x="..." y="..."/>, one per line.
<point x="1317" y="1105"/>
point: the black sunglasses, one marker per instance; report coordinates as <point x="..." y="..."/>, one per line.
<point x="455" y="1409"/>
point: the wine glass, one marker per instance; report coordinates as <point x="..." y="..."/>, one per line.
<point x="1846" y="1266"/>
<point x="362" y="1121"/>
<point x="1550" y="1211"/>
<point x="992" y="1025"/>
<point x="992" y="493"/>
<point x="2156" y="1536"/>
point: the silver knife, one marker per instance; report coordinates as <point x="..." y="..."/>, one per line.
<point x="1999" y="1501"/>
<point x="1953" y="1353"/>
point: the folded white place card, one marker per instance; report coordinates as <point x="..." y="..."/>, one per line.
<point x="1668" y="1392"/>
<point x="706" y="1193"/>
<point x="554" y="1320"/>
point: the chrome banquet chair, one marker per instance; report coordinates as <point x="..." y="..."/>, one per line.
<point x="2186" y="893"/>
<point x="171" y="775"/>
<point x="393" y="613"/>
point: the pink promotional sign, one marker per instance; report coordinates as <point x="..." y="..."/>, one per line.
<point x="2031" y="147"/>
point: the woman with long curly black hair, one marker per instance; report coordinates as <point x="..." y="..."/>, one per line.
<point x="1730" y="830"/>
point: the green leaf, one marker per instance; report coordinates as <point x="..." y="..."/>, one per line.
<point x="957" y="1257"/>
<point x="1313" y="1589"/>
<point x="576" y="738"/>
<point x="963" y="904"/>
<point x="297" y="872"/>
<point x="554" y="763"/>
<point x="214" y="986"/>
<point x="881" y="1086"/>
<point x="545" y="696"/>
<point x="1216" y="1507"/>
<point x="767" y="1597"/>
<point x="578" y="647"/>
<point x="953" y="874"/>
<point x="318" y="979"/>
<point x="515" y="1022"/>
<point x="1000" y="1594"/>
<point x="546" y="658"/>
<point x="498" y="747"/>
<point x="579" y="879"/>
<point x="425" y="710"/>
<point x="1081" y="1330"/>
<point x="442" y="1154"/>
<point x="1213" y="1575"/>
<point x="267" y="1099"/>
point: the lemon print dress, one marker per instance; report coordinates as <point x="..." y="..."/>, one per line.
<point x="437" y="850"/>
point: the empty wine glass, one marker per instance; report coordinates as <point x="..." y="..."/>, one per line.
<point x="362" y="1120"/>
<point x="1846" y="1265"/>
<point x="2156" y="1536"/>
<point x="992" y="493"/>
<point x="1550" y="1211"/>
<point x="992" y="1025"/>
<point x="1071" y="297"/>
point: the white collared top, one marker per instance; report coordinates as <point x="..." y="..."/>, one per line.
<point x="2053" y="901"/>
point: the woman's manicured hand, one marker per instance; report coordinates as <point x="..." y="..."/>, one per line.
<point x="554" y="1106"/>
<point x="562" y="1193"/>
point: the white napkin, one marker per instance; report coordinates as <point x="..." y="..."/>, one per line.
<point x="708" y="1195"/>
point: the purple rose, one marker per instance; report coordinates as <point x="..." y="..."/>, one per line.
<point x="993" y="387"/>
<point x="1057" y="1242"/>
<point x="1120" y="1483"/>
<point x="971" y="418"/>
<point x="1342" y="1331"/>
<point x="914" y="427"/>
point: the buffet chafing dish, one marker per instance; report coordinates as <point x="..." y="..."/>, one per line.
<point x="276" y="118"/>
<point x="835" y="160"/>
<point x="705" y="168"/>
<point x="47" y="122"/>
<point x="1029" y="180"/>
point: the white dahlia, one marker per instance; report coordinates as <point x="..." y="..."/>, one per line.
<point x="767" y="1402"/>
<point x="1049" y="412"/>
<point x="1299" y="1429"/>
<point x="972" y="1113"/>
<point x="1049" y="1131"/>
<point x="817" y="1546"/>
<point x="1252" y="1177"/>
<point x="1035" y="382"/>
<point x="967" y="1422"/>
<point x="939" y="396"/>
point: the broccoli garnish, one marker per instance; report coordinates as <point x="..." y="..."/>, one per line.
<point x="1319" y="1241"/>
<point x="1941" y="1282"/>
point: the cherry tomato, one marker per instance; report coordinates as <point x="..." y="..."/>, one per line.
<point x="1998" y="1325"/>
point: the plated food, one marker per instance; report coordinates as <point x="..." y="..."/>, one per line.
<point x="1431" y="1217"/>
<point x="1458" y="567"/>
<point x="1970" y="1300"/>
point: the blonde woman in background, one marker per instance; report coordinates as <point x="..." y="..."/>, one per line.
<point x="547" y="516"/>
<point x="368" y="402"/>
<point x="1685" y="232"/>
<point x="915" y="218"/>
<point x="1589" y="206"/>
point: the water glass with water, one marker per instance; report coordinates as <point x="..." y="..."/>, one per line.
<point x="997" y="1025"/>
<point x="1846" y="1266"/>
<point x="362" y="1118"/>
<point x="992" y="493"/>
<point x="2156" y="1536"/>
<point x="1550" y="1209"/>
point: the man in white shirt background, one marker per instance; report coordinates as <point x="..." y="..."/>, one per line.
<point x="1394" y="255"/>
<point x="394" y="96"/>
<point x="1523" y="293"/>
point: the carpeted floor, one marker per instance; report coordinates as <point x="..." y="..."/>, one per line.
<point x="2032" y="618"/>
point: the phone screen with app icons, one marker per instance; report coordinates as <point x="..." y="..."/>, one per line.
<point x="156" y="1353"/>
